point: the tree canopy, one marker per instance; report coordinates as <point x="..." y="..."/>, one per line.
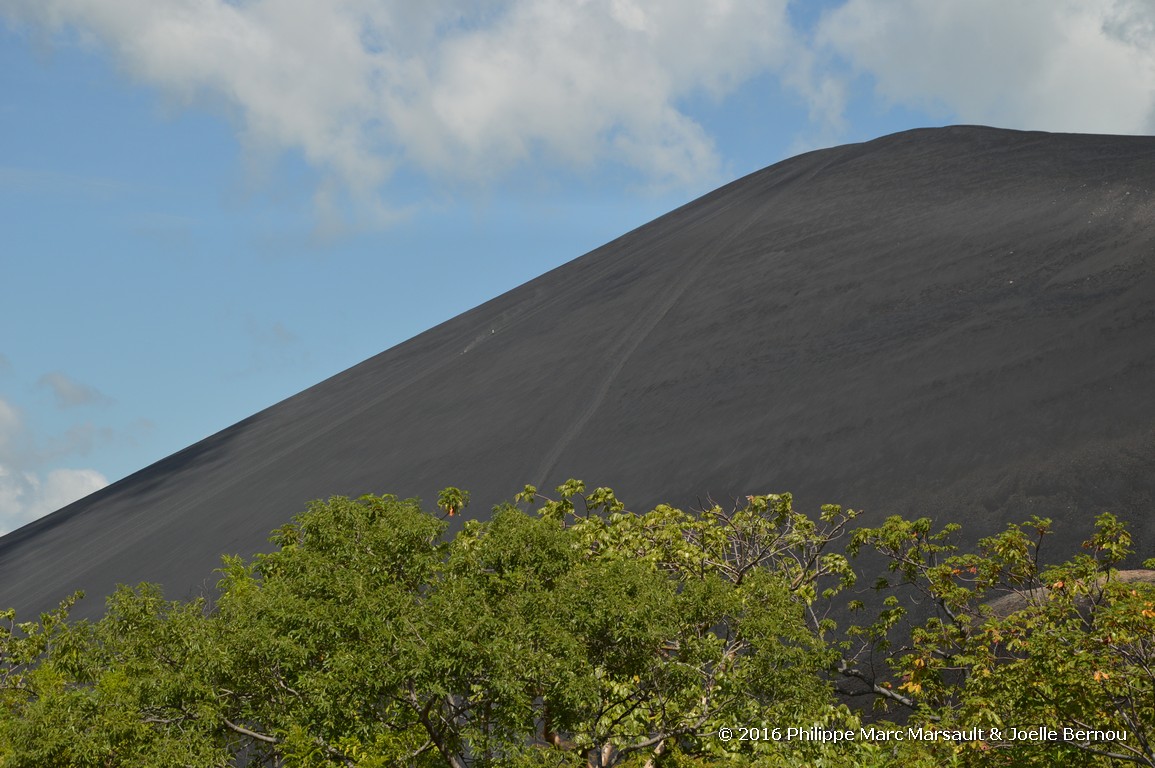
<point x="569" y="631"/>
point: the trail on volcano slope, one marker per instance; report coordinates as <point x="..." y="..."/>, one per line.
<point x="648" y="320"/>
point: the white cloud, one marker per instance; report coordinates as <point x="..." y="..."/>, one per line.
<point x="469" y="91"/>
<point x="586" y="82"/>
<point x="457" y="90"/>
<point x="27" y="491"/>
<point x="26" y="495"/>
<point x="1056" y="65"/>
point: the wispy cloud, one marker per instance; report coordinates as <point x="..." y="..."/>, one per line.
<point x="273" y="347"/>
<point x="274" y="338"/>
<point x="277" y="334"/>
<point x="11" y="426"/>
<point x="70" y="393"/>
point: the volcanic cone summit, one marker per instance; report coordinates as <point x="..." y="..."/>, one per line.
<point x="955" y="322"/>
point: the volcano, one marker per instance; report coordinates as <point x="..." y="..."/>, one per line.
<point x="954" y="322"/>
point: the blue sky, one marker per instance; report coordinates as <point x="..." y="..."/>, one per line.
<point x="209" y="205"/>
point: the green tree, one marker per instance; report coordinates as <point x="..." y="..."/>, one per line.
<point x="577" y="633"/>
<point x="129" y="690"/>
<point x="1013" y="643"/>
<point x="584" y="638"/>
<point x="582" y="635"/>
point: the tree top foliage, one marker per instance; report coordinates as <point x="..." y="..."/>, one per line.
<point x="569" y="631"/>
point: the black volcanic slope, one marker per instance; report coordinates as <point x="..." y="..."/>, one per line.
<point x="957" y="322"/>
